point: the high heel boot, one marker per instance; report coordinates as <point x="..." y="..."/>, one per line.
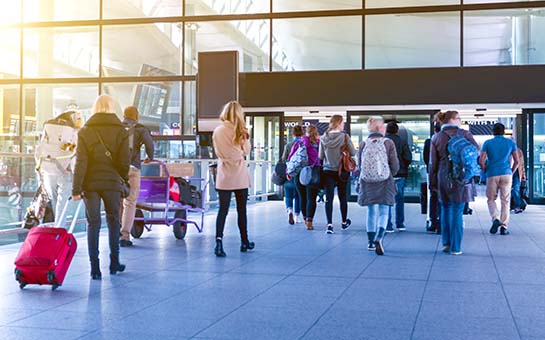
<point x="95" y="270"/>
<point x="115" y="266"/>
<point x="244" y="247"/>
<point x="219" y="249"/>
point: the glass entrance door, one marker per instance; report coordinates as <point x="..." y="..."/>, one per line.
<point x="266" y="133"/>
<point x="414" y="126"/>
<point x="537" y="156"/>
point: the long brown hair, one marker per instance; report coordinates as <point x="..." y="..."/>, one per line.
<point x="334" y="122"/>
<point x="233" y="112"/>
<point x="312" y="132"/>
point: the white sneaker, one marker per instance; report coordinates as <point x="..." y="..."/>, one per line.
<point x="299" y="219"/>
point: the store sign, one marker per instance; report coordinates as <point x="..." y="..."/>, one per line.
<point x="291" y="125"/>
<point x="480" y="122"/>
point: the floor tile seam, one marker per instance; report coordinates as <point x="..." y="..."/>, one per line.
<point x="425" y="288"/>
<point x="338" y="298"/>
<point x="254" y="259"/>
<point x="484" y="230"/>
<point x="259" y="294"/>
<point x="147" y="307"/>
<point x="528" y="235"/>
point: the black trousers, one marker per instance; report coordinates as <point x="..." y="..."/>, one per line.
<point x="241" y="197"/>
<point x="307" y="197"/>
<point x="112" y="201"/>
<point x="332" y="180"/>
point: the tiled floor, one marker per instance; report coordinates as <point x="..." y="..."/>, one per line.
<point x="297" y="284"/>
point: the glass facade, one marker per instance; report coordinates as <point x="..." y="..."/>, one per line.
<point x="504" y="37"/>
<point x="60" y="54"/>
<point x="538" y="166"/>
<point x="412" y="40"/>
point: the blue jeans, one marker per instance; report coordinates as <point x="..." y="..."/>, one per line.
<point x="515" y="192"/>
<point x="400" y="204"/>
<point x="452" y="225"/>
<point x="377" y="217"/>
<point x="291" y="195"/>
<point x="112" y="201"/>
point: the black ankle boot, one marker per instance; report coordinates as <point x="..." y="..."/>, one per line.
<point x="115" y="266"/>
<point x="219" y="249"/>
<point x="244" y="247"/>
<point x="95" y="270"/>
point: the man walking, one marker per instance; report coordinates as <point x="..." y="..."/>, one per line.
<point x="138" y="136"/>
<point x="405" y="158"/>
<point x="495" y="160"/>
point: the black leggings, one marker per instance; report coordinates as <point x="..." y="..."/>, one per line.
<point x="307" y="197"/>
<point x="241" y="197"/>
<point x="332" y="180"/>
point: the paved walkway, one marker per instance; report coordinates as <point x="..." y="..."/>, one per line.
<point x="296" y="285"/>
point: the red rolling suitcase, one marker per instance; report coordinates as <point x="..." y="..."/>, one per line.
<point x="46" y="253"/>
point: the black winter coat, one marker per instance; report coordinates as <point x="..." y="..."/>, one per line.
<point x="94" y="170"/>
<point x="404" y="155"/>
<point x="141" y="137"/>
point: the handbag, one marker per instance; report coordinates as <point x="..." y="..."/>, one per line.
<point x="279" y="173"/>
<point x="347" y="163"/>
<point x="125" y="187"/>
<point x="310" y="176"/>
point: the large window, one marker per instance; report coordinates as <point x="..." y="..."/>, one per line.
<point x="9" y="53"/>
<point x="314" y="5"/>
<point x="412" y="40"/>
<point x="223" y="7"/>
<point x="249" y="37"/>
<point x="504" y="37"/>
<point x="142" y="50"/>
<point x="158" y="103"/>
<point x="57" y="10"/>
<point x="141" y="8"/>
<point x="61" y="52"/>
<point x="407" y="3"/>
<point x="325" y="43"/>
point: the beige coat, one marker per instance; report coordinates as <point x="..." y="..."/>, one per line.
<point x="233" y="171"/>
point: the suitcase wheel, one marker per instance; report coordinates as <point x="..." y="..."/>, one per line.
<point x="18" y="274"/>
<point x="51" y="277"/>
<point x="55" y="286"/>
<point x="22" y="285"/>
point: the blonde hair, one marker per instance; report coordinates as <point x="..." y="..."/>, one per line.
<point x="104" y="104"/>
<point x="374" y="123"/>
<point x="232" y="112"/>
<point x="334" y="122"/>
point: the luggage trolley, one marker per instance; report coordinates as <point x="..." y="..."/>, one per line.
<point x="154" y="199"/>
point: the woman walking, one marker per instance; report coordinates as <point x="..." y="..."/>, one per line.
<point x="102" y="166"/>
<point x="453" y="195"/>
<point x="232" y="144"/>
<point x="308" y="193"/>
<point x="377" y="162"/>
<point x="293" y="201"/>
<point x="330" y="153"/>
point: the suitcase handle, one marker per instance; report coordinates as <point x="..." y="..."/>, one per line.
<point x="62" y="219"/>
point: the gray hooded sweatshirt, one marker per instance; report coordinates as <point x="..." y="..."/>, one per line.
<point x="330" y="149"/>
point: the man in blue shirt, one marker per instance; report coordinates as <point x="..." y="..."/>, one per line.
<point x="495" y="160"/>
